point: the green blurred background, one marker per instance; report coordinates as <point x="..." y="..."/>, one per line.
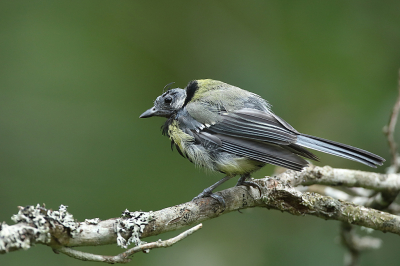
<point x="76" y="75"/>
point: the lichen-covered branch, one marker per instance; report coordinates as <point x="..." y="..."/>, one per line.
<point x="286" y="198"/>
<point x="124" y="257"/>
<point x="342" y="177"/>
<point x="60" y="231"/>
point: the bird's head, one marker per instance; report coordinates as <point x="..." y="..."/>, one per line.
<point x="166" y="104"/>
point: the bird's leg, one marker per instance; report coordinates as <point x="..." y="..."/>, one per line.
<point x="208" y="192"/>
<point x="242" y="182"/>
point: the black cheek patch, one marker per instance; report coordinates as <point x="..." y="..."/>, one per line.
<point x="191" y="89"/>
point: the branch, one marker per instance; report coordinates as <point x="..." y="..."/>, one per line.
<point x="382" y="200"/>
<point x="60" y="231"/>
<point x="342" y="177"/>
<point x="124" y="257"/>
<point x="356" y="244"/>
<point x="389" y="131"/>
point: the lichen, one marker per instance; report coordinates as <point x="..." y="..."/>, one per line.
<point x="93" y="221"/>
<point x="32" y="229"/>
<point x="133" y="222"/>
<point x="64" y="218"/>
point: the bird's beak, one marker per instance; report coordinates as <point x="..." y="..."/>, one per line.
<point x="149" y="113"/>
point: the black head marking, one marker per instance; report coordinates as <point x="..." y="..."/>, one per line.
<point x="191" y="89"/>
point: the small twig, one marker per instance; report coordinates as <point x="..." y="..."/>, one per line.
<point x="353" y="254"/>
<point x="124" y="257"/>
<point x="389" y="131"/>
<point x="85" y="256"/>
<point x="159" y="243"/>
<point x="355" y="244"/>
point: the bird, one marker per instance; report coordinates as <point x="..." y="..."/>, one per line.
<point x="230" y="130"/>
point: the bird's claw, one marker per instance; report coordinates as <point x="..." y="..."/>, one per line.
<point x="249" y="184"/>
<point x="208" y="193"/>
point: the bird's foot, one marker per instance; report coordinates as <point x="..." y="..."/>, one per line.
<point x="242" y="182"/>
<point x="208" y="193"/>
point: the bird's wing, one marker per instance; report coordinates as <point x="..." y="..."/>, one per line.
<point x="255" y="124"/>
<point x="253" y="134"/>
<point x="256" y="150"/>
<point x="250" y="124"/>
<point x="262" y="152"/>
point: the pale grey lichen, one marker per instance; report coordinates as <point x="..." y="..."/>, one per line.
<point x="33" y="215"/>
<point x="133" y="222"/>
<point x="33" y="225"/>
<point x="93" y="221"/>
<point x="64" y="218"/>
<point x="32" y="229"/>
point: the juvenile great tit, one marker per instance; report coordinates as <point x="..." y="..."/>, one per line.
<point x="230" y="130"/>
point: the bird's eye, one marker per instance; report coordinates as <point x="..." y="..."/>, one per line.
<point x="168" y="100"/>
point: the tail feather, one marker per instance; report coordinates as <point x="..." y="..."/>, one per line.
<point x="339" y="149"/>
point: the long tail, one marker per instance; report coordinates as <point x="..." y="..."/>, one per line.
<point x="339" y="149"/>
